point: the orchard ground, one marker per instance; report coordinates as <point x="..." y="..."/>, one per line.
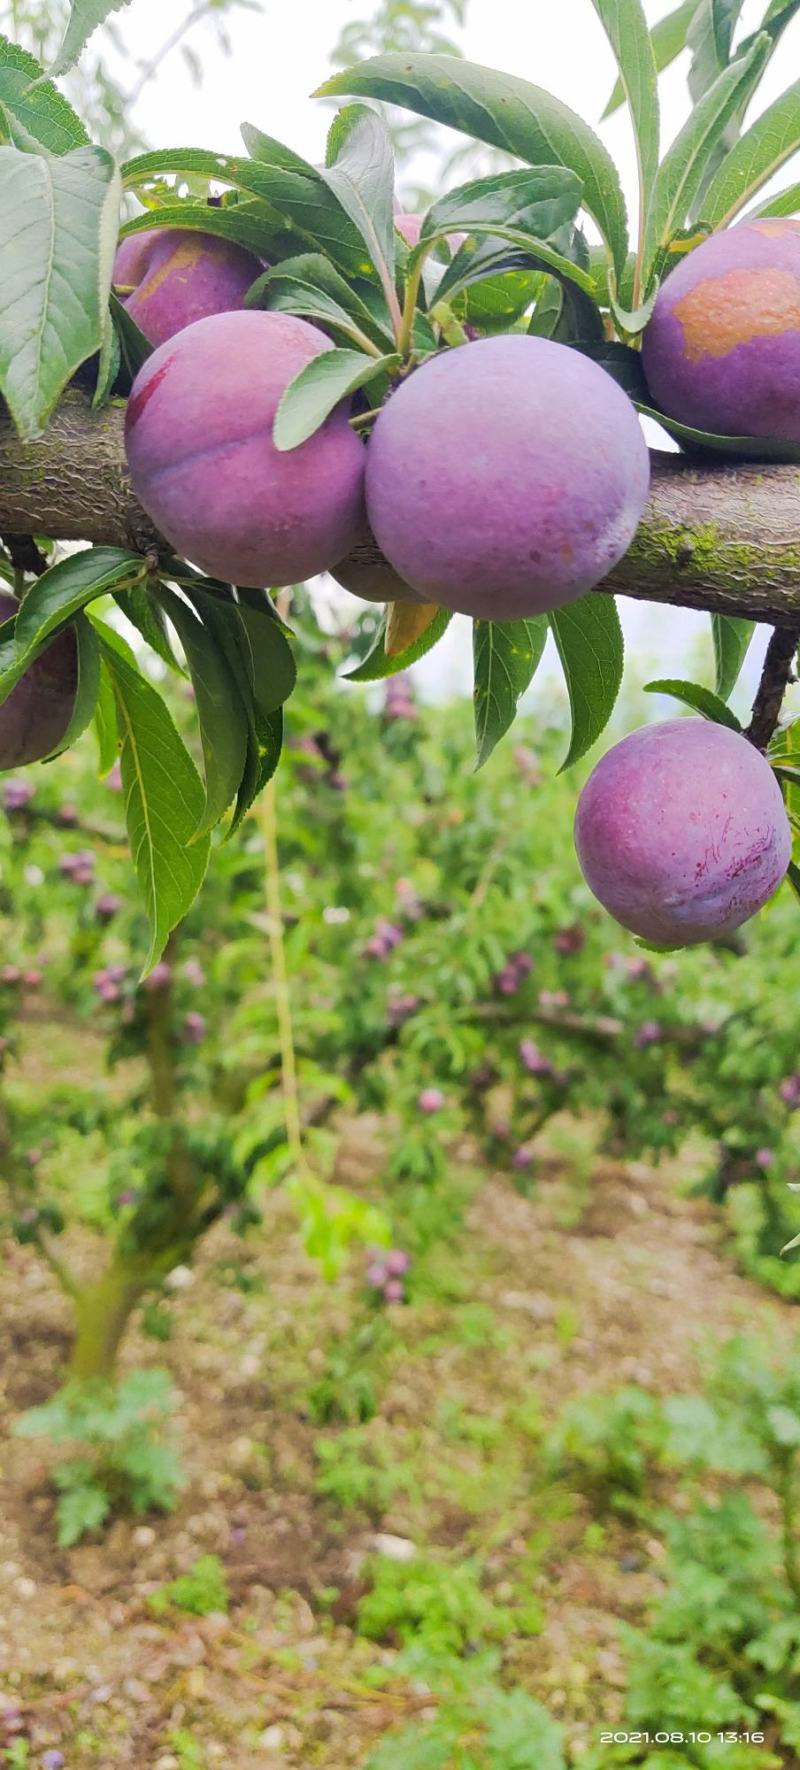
<point x="607" y="1277"/>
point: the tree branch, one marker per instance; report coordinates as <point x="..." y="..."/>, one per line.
<point x="775" y="678"/>
<point x="724" y="539"/>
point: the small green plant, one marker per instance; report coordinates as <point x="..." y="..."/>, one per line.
<point x="478" y="1726"/>
<point x="200" y="1592"/>
<point x="440" y="1606"/>
<point x="358" y="1472"/>
<point x="123" y="1461"/>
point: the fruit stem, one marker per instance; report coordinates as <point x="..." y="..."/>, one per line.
<point x="775" y="678"/>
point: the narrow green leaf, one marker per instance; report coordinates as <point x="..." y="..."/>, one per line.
<point x="724" y="19"/>
<point x="505" y="111"/>
<point x="58" y="225"/>
<point x="682" y="169"/>
<point x="320" y="386"/>
<point x="754" y="158"/>
<point x="706" y="442"/>
<point x="530" y="251"/>
<point x="700" y="699"/>
<point x="258" y="665"/>
<point x="731" y="638"/>
<point x="139" y="606"/>
<point x="88" y="647"/>
<point x="164" y="802"/>
<point x="105" y="722"/>
<point x="248" y="224"/>
<point x="310" y="285"/>
<point x="55" y="599"/>
<point x="506" y="655"/>
<point x="538" y="201"/>
<point x="591" y="648"/>
<point x="221" y="716"/>
<point x="625" y="26"/>
<point x="84" y="18"/>
<point x="34" y="110"/>
<point x="268" y="656"/>
<point x="376" y="665"/>
<point x="785" y="202"/>
<point x="668" y="38"/>
<point x="359" y="169"/>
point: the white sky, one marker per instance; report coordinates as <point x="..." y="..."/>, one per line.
<point x="283" y="53"/>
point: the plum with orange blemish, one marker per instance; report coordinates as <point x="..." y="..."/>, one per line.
<point x="170" y="277"/>
<point x="722" y="350"/>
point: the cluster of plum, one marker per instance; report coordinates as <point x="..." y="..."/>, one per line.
<point x="501" y="479"/>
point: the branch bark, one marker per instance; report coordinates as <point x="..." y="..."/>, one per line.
<point x="725" y="539"/>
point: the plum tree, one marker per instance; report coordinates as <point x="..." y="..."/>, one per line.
<point x="203" y="462"/>
<point x="722" y="350"/>
<point x="36" y="716"/>
<point x="506" y="477"/>
<point x="681" y="832"/>
<point x="168" y="277"/>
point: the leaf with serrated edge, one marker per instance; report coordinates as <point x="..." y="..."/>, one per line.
<point x="700" y="699"/>
<point x="321" y="386"/>
<point x="164" y="802"/>
<point x="377" y="665"/>
<point x="505" y="111"/>
<point x="58" y="228"/>
<point x="755" y="157"/>
<point x="506" y="655"/>
<point x="56" y="598"/>
<point x="589" y="640"/>
<point x="35" y="110"/>
<point x="731" y="636"/>
<point x="84" y="18"/>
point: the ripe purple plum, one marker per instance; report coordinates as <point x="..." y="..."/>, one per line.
<point x="205" y="467"/>
<point x="506" y="477"/>
<point x="681" y="832"/>
<point x="35" y="718"/>
<point x="722" y="350"/>
<point x="169" y="277"/>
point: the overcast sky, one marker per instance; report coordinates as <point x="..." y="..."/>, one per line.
<point x="281" y="54"/>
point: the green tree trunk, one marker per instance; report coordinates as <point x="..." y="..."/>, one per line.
<point x="102" y="1313"/>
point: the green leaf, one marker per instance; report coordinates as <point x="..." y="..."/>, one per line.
<point x="34" y="111"/>
<point x="164" y="801"/>
<point x="681" y="171"/>
<point x="310" y="285"/>
<point x="245" y="658"/>
<point x="139" y="605"/>
<point x="265" y="649"/>
<point x="376" y="665"/>
<point x="706" y="442"/>
<point x="668" y="38"/>
<point x="505" y="111"/>
<point x="731" y="638"/>
<point x="724" y="19"/>
<point x="84" y="18"/>
<point x="622" y="363"/>
<point x="538" y="201"/>
<point x="785" y="202"/>
<point x="248" y="224"/>
<point x="105" y="723"/>
<point x="755" y="157"/>
<point x="701" y="700"/>
<point x="79" y="1510"/>
<point x="58" y="595"/>
<point x="320" y="386"/>
<point x="625" y="26"/>
<point x="589" y="639"/>
<point x="506" y="655"/>
<point x="359" y="169"/>
<point x="223" y="722"/>
<point x="529" y="251"/>
<point x="88" y="682"/>
<point x="134" y="347"/>
<point x="58" y="226"/>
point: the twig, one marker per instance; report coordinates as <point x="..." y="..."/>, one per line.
<point x="775" y="678"/>
<point x="25" y="556"/>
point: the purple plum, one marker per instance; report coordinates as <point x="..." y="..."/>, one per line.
<point x="506" y="477"/>
<point x="35" y="718"/>
<point x="681" y="832"/>
<point x="205" y="467"/>
<point x="722" y="350"/>
<point x="169" y="277"/>
<point x="430" y="1100"/>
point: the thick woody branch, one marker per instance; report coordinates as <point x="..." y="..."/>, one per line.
<point x="724" y="539"/>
